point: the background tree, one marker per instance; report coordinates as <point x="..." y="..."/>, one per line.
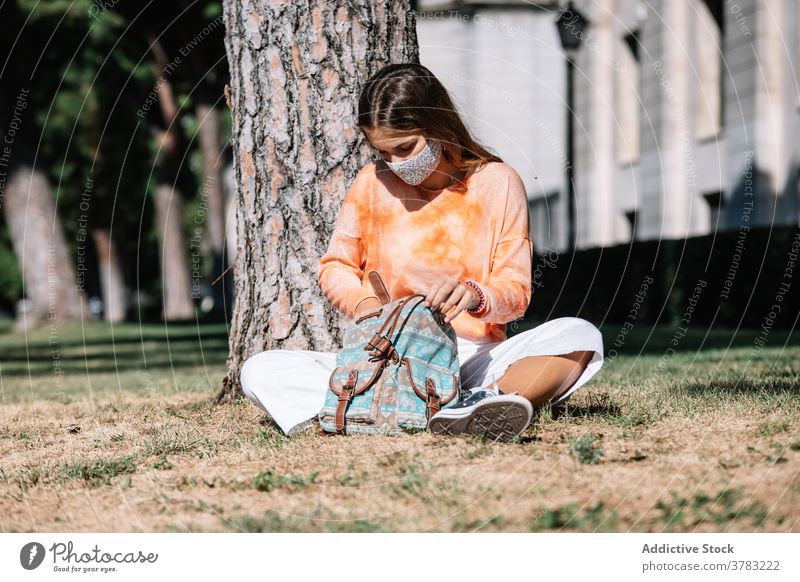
<point x="211" y="67"/>
<point x="296" y="72"/>
<point x="86" y="71"/>
<point x="102" y="155"/>
<point x="32" y="220"/>
<point x="184" y="49"/>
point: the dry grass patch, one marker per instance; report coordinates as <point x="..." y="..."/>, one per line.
<point x="686" y="450"/>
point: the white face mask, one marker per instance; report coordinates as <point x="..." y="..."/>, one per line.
<point x="418" y="167"/>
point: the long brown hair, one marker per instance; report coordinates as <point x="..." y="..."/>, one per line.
<point x="408" y="97"/>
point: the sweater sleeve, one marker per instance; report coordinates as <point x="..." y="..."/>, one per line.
<point x="341" y="268"/>
<point x="508" y="290"/>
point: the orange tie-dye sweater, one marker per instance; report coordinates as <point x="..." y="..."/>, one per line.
<point x="477" y="230"/>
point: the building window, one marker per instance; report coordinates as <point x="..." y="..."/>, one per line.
<point x="709" y="64"/>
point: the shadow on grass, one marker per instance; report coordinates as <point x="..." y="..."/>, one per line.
<point x="121" y="336"/>
<point x="603" y="407"/>
<point x="99" y="348"/>
<point x="777" y="384"/>
<point x="268" y="422"/>
<point x="21" y="364"/>
<point x="646" y="339"/>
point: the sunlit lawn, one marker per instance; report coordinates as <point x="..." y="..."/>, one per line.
<point x="115" y="430"/>
<point x="96" y="361"/>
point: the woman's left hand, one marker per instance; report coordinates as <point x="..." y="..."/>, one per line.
<point x="448" y="292"/>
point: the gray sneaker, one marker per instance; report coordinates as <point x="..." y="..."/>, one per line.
<point x="484" y="412"/>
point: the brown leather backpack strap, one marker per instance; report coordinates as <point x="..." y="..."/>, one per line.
<point x="433" y="402"/>
<point x="379" y="288"/>
<point x="344" y="399"/>
<point x="380" y="343"/>
<point x="392" y="314"/>
<point x="402" y="305"/>
<point x="395" y="318"/>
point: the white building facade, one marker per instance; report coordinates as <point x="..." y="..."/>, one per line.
<point x="686" y="112"/>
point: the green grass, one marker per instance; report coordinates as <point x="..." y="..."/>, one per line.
<point x="96" y="361"/>
<point x="571" y="517"/>
<point x="100" y="471"/>
<point x="274" y="522"/>
<point x="720" y="509"/>
<point x="585" y="449"/>
<point x="270" y="480"/>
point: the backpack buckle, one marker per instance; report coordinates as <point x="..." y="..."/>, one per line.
<point x="381" y="348"/>
<point x="432" y="403"/>
<point x="345" y="396"/>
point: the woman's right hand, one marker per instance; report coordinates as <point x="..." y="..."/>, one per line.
<point x="368" y="306"/>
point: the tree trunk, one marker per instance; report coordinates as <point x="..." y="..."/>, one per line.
<point x="37" y="237"/>
<point x="230" y="213"/>
<point x="211" y="153"/>
<point x="176" y="285"/>
<point x="296" y="72"/>
<point x="213" y="196"/>
<point x="112" y="283"/>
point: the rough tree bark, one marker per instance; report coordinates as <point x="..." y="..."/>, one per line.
<point x="112" y="282"/>
<point x="38" y="240"/>
<point x="230" y="213"/>
<point x="296" y="72"/>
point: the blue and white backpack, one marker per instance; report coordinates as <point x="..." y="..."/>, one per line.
<point x="398" y="366"/>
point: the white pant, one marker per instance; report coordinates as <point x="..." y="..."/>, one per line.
<point x="291" y="384"/>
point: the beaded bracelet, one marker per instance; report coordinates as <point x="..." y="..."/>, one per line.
<point x="482" y="303"/>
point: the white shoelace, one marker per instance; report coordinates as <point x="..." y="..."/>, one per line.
<point x="492" y="390"/>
